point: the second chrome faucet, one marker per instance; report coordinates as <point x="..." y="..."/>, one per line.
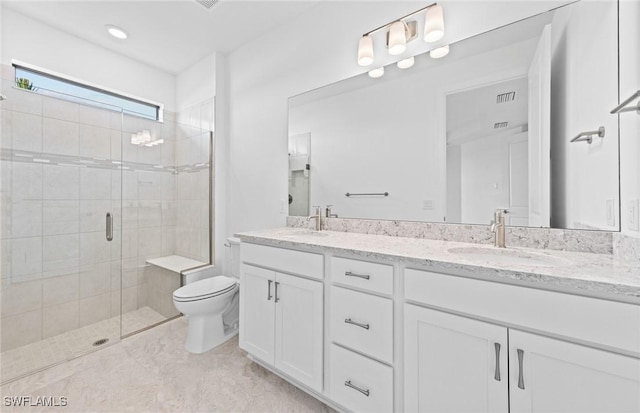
<point x="498" y="227"/>
<point x="318" y="217"/>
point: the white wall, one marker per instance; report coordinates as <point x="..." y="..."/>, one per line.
<point x="629" y="122"/>
<point x="315" y="49"/>
<point x="584" y="176"/>
<point x="197" y="83"/>
<point x="32" y="42"/>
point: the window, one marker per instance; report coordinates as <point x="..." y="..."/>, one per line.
<point x="49" y="84"/>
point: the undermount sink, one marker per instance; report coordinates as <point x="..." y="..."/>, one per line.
<point x="500" y="256"/>
<point x="312" y="232"/>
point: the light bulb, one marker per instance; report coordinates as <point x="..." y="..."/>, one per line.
<point x="376" y="73"/>
<point x="397" y="38"/>
<point x="406" y="63"/>
<point x="434" y="24"/>
<point x="365" y="51"/>
<point x="439" y="52"/>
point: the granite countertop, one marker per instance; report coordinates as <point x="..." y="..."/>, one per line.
<point x="596" y="275"/>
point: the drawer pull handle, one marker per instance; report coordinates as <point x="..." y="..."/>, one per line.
<point x="350" y="321"/>
<point x="497" y="373"/>
<point x="520" y="373"/>
<point x="353" y="274"/>
<point x="277" y="298"/>
<point x="269" y="296"/>
<point x="354" y="387"/>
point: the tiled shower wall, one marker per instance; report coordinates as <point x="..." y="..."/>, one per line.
<point x="190" y="207"/>
<point x="58" y="271"/>
<point x="193" y="145"/>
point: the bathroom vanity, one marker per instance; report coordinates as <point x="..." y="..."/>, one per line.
<point x="380" y="323"/>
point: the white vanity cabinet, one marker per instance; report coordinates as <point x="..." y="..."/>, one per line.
<point x="454" y="364"/>
<point x="373" y="334"/>
<point x="458" y="363"/>
<point x="554" y="375"/>
<point x="281" y="315"/>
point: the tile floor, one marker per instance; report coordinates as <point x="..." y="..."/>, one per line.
<point x="31" y="357"/>
<point x="151" y="372"/>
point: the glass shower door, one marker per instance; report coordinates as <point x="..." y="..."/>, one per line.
<point x="61" y="234"/>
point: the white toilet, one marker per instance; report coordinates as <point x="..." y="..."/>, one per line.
<point x="211" y="306"/>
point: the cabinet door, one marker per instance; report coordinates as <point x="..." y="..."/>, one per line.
<point x="299" y="329"/>
<point x="257" y="300"/>
<point x="453" y="364"/>
<point x="552" y="375"/>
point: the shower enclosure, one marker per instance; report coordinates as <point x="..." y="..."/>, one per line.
<point x="90" y="195"/>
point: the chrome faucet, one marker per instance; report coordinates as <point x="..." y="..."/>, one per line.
<point x="318" y="217"/>
<point x="498" y="227"/>
<point x="328" y="213"/>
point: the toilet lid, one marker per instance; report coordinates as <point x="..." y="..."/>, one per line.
<point x="209" y="287"/>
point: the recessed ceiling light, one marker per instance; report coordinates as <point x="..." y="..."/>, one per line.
<point x="116" y="32"/>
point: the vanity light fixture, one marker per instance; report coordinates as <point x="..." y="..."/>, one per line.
<point x="397" y="38"/>
<point x="433" y="24"/>
<point x="116" y="32"/>
<point x="402" y="31"/>
<point x="406" y="63"/>
<point x="141" y="138"/>
<point x="376" y="73"/>
<point x="439" y="52"/>
<point x="365" y="51"/>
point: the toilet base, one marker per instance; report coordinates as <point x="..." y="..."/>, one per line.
<point x="205" y="332"/>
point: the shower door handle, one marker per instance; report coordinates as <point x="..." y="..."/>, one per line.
<point x="109" y="227"/>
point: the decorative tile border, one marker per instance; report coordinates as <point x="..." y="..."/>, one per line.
<point x="43" y="158"/>
<point x="599" y="242"/>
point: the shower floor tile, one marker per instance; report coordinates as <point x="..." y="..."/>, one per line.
<point x="35" y="356"/>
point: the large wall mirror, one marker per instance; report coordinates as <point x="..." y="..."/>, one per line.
<point x="491" y="125"/>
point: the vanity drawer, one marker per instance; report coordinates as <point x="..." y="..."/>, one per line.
<point x="362" y="322"/>
<point x="285" y="260"/>
<point x="366" y="275"/>
<point x="359" y="383"/>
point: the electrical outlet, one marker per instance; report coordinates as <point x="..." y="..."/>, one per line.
<point x="611" y="213"/>
<point x="427" y="205"/>
<point x="633" y="221"/>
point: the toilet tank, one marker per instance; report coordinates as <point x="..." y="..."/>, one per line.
<point x="235" y="256"/>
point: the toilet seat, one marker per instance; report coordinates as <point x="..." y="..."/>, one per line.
<point x="203" y="289"/>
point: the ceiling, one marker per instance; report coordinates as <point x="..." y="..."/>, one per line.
<point x="472" y="114"/>
<point x="167" y="34"/>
